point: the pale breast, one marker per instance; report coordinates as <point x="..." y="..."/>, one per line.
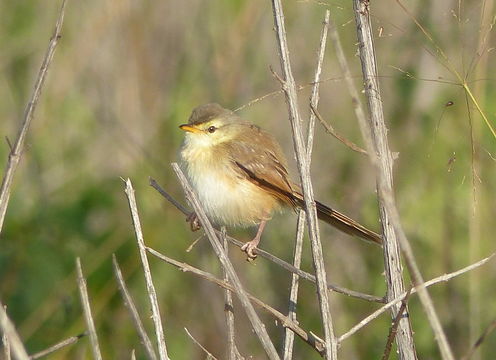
<point x="227" y="198"/>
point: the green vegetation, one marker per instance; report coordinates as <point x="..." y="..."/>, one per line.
<point x="126" y="74"/>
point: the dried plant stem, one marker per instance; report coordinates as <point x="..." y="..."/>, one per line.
<point x="16" y="150"/>
<point x="58" y="346"/>
<point x="85" y="302"/>
<point x="209" y="355"/>
<point x="309" y="338"/>
<point x="10" y="333"/>
<point x="289" y="86"/>
<point x="288" y="341"/>
<point x="229" y="308"/>
<point x="490" y="328"/>
<point x="6" y="345"/>
<point x="300" y="225"/>
<point x="152" y="295"/>
<point x="129" y="303"/>
<point x="285" y="265"/>
<point x="256" y="323"/>
<point x="382" y="160"/>
<point x="437" y="280"/>
<point x="394" y="327"/>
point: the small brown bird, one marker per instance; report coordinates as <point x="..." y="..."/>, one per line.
<point x="240" y="175"/>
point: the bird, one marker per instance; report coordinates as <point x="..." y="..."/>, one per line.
<point x="240" y="175"/>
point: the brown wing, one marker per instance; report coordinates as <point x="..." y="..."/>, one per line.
<point x="259" y="158"/>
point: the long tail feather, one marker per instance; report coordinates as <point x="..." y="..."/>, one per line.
<point x="341" y="221"/>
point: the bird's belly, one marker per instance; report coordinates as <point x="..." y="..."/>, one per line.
<point x="232" y="200"/>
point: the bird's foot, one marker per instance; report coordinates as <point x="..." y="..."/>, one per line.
<point x="250" y="248"/>
<point x="194" y="222"/>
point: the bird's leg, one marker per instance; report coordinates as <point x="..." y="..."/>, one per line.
<point x="194" y="222"/>
<point x="250" y="246"/>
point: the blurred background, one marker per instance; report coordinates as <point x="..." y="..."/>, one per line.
<point x="126" y="74"/>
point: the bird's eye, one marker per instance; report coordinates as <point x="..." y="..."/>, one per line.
<point x="211" y="129"/>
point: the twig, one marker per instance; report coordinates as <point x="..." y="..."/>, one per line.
<point x="129" y="303"/>
<point x="314" y="97"/>
<point x="58" y="346"/>
<point x="152" y="295"/>
<point x="394" y="327"/>
<point x="381" y="158"/>
<point x="209" y="355"/>
<point x="300" y="225"/>
<point x="288" y="341"/>
<point x="85" y="302"/>
<point x="490" y="328"/>
<point x="6" y="343"/>
<point x="10" y="333"/>
<point x="16" y="151"/>
<point x="229" y="308"/>
<point x="285" y="265"/>
<point x="256" y="323"/>
<point x="329" y="129"/>
<point x="315" y="342"/>
<point x="437" y="280"/>
<point x="289" y="87"/>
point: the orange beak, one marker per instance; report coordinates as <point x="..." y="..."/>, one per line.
<point x="189" y="128"/>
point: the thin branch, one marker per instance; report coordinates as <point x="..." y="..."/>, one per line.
<point x="394" y="327"/>
<point x="209" y="355"/>
<point x="285" y="265"/>
<point x="10" y="333"/>
<point x="437" y="280"/>
<point x="256" y="323"/>
<point x="330" y="130"/>
<point x="129" y="303"/>
<point x="314" y="97"/>
<point x="229" y="308"/>
<point x="289" y="86"/>
<point x="85" y="302"/>
<point x="300" y="225"/>
<point x="152" y="295"/>
<point x="489" y="329"/>
<point x="380" y="155"/>
<point x="6" y="342"/>
<point x="315" y="342"/>
<point x="16" y="151"/>
<point x="58" y="346"/>
<point x="287" y="344"/>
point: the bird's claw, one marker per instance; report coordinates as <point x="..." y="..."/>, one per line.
<point x="250" y="249"/>
<point x="194" y="222"/>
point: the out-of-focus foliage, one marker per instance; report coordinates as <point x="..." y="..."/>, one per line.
<point x="127" y="73"/>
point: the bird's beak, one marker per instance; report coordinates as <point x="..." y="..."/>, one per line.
<point x="189" y="128"/>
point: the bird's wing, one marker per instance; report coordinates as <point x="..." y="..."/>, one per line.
<point x="258" y="157"/>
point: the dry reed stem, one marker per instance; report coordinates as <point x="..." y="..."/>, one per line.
<point x="287" y="344"/>
<point x="129" y="303"/>
<point x="315" y="342"/>
<point x="330" y="130"/>
<point x="381" y="158"/>
<point x="289" y="86"/>
<point x="233" y="353"/>
<point x="437" y="280"/>
<point x="300" y="225"/>
<point x="13" y="338"/>
<point x="268" y="256"/>
<point x="394" y="327"/>
<point x="6" y="346"/>
<point x="490" y="328"/>
<point x="209" y="355"/>
<point x="256" y="323"/>
<point x="150" y="288"/>
<point x="16" y="151"/>
<point x="88" y="317"/>
<point x="57" y="346"/>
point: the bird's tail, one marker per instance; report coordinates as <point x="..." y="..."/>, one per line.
<point x="341" y="221"/>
